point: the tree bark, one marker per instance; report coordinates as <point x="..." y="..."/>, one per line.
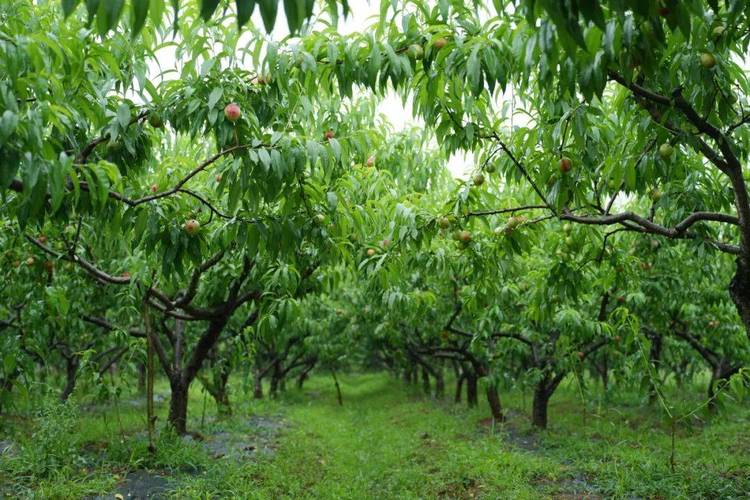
<point x="655" y="360"/>
<point x="493" y="398"/>
<point x="543" y="392"/>
<point x="142" y="378"/>
<point x="257" y="385"/>
<point x="178" y="405"/>
<point x="425" y="381"/>
<point x="304" y="374"/>
<point x="472" y="398"/>
<point x="439" y="383"/>
<point x="539" y="406"/>
<point x="71" y="376"/>
<point x="339" y="397"/>
<point x="459" y="388"/>
<point x="739" y="290"/>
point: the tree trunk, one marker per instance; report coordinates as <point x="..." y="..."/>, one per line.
<point x="459" y="388"/>
<point x="439" y="383"/>
<point x="142" y="378"/>
<point x="71" y="375"/>
<point x="655" y="360"/>
<point x="339" y="397"/>
<point x="493" y="398"/>
<point x="603" y="370"/>
<point x="719" y="377"/>
<point x="539" y="405"/>
<point x="219" y="391"/>
<point x="301" y="379"/>
<point x="178" y="405"/>
<point x="257" y="385"/>
<point x="739" y="290"/>
<point x="543" y="392"/>
<point x="304" y="374"/>
<point x="425" y="381"/>
<point x="471" y="390"/>
<point x="273" y="391"/>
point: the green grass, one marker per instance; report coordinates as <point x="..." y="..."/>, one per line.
<point x="389" y="441"/>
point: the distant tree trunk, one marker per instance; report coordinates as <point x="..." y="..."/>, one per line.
<point x="71" y="376"/>
<point x="273" y="390"/>
<point x="338" y="388"/>
<point x="439" y="383"/>
<point x="471" y="389"/>
<point x="425" y="381"/>
<point x="257" y="384"/>
<point x="493" y="398"/>
<point x="654" y="356"/>
<point x="305" y="373"/>
<point x="719" y="377"/>
<point x="459" y="387"/>
<point x="602" y="369"/>
<point x="142" y="377"/>
<point x="217" y="388"/>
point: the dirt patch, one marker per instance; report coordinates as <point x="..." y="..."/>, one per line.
<point x="257" y="436"/>
<point x="141" y="484"/>
<point x="466" y="487"/>
<point x="511" y="433"/>
<point x="7" y="448"/>
<point x="575" y="486"/>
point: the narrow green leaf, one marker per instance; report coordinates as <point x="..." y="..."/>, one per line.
<point x="268" y="10"/>
<point x="207" y="8"/>
<point x="244" y="11"/>
<point x="69" y="6"/>
<point x="108" y="14"/>
<point x="140" y="11"/>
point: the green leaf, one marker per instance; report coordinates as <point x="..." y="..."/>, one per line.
<point x="140" y="11"/>
<point x="207" y="8"/>
<point x="69" y="6"/>
<point x="123" y="115"/>
<point x="244" y="11"/>
<point x="214" y="96"/>
<point x="8" y="124"/>
<point x="592" y="11"/>
<point x="293" y="17"/>
<point x="268" y="10"/>
<point x="108" y="14"/>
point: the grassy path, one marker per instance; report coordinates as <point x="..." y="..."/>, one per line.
<point x="386" y="443"/>
<point x="389" y="441"/>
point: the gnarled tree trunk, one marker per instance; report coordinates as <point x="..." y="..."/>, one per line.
<point x="543" y="392"/>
